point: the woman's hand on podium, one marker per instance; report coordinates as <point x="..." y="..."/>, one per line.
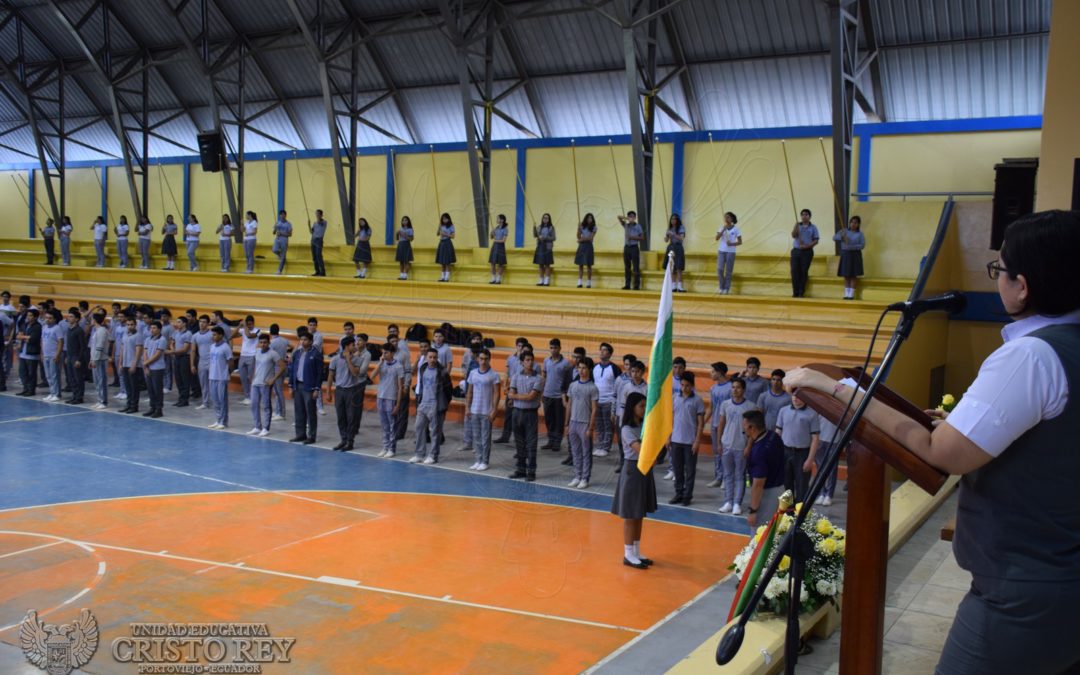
<point x="938" y="415"/>
<point x="809" y="379"/>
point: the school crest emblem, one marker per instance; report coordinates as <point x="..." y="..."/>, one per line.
<point x="59" y="649"/>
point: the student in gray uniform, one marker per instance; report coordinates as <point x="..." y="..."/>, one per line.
<point x="828" y="436"/>
<point x="48" y="237"/>
<point x="800" y="430"/>
<point x="144" y="229"/>
<point x="99" y="358"/>
<point x="154" y="349"/>
<point x="251" y="231"/>
<point x="362" y="252"/>
<point x="391" y="376"/>
<point x="318" y="234"/>
<point x="733" y="441"/>
<point x="122" y="230"/>
<point x="852" y="242"/>
<point x="283" y="229"/>
<point x="444" y="254"/>
<point x="131" y="364"/>
<point x="180" y="351"/>
<point x="269" y="368"/>
<point x="225" y="238"/>
<point x="635" y="494"/>
<point x="66" y="228"/>
<point x="513" y="365"/>
<point x="688" y="421"/>
<point x="281" y="346"/>
<point x="433" y="394"/>
<point x="482" y="404"/>
<point x="675" y="235"/>
<point x="348" y="371"/>
<point x="581" y="398"/>
<point x="774" y="400"/>
<point x="755" y="384"/>
<point x="545" y="248"/>
<point x="585" y="256"/>
<point x="204" y="342"/>
<point x="718" y="393"/>
<point x="167" y="332"/>
<point x="404" y="253"/>
<point x="497" y="255"/>
<point x="249" y="345"/>
<point x="605" y="374"/>
<point x="556" y="373"/>
<point x="636" y="383"/>
<point x="101" y="234"/>
<point x="168" y="242"/>
<point x="633" y="235"/>
<point x="404" y="357"/>
<point x="192" y="230"/>
<point x="525" y="393"/>
<point x="218" y="377"/>
<point x="804" y="237"/>
<point x="52" y="353"/>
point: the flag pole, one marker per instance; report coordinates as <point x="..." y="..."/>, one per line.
<point x="656" y="427"/>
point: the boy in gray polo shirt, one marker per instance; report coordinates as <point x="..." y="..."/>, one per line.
<point x="391" y="376"/>
<point x="774" y="400"/>
<point x="733" y="441"/>
<point x="318" y="232"/>
<point x="687" y="422"/>
<point x="525" y="391"/>
<point x="269" y="368"/>
<point x="799" y="428"/>
<point x="430" y="385"/>
<point x="482" y="402"/>
<point x="582" y="398"/>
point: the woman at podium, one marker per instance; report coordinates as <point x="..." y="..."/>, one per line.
<point x="1013" y="439"/>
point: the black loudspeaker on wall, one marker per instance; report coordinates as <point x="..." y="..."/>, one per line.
<point x="1014" y="195"/>
<point x="211" y="151"/>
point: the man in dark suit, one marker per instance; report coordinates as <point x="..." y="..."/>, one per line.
<point x="30" y="354"/>
<point x="74" y="348"/>
<point x="305" y="377"/>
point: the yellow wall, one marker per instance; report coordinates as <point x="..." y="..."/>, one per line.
<point x="83" y="199"/>
<point x="13" y="201"/>
<point x="1061" y="136"/>
<point x="898" y="235"/>
<point x="208" y="200"/>
<point x="749" y="178"/>
<point x="942" y="162"/>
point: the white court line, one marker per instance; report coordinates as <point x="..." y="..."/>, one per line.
<point x="27" y="550"/>
<point x="644" y="634"/>
<point x="336" y="582"/>
<point x="248" y="488"/>
<point x="38" y="418"/>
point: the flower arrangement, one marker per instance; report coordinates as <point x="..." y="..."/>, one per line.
<point x="823" y="578"/>
<point x="948" y="402"/>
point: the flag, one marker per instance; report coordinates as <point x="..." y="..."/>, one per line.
<point x="755" y="567"/>
<point x="659" y="407"/>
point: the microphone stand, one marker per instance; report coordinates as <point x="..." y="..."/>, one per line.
<point x="796" y="547"/>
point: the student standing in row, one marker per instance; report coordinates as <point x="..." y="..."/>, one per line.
<point x="733" y="442"/>
<point x="362" y="253"/>
<point x="200" y="368"/>
<point x="513" y="365"/>
<point x="101" y="234"/>
<point x="804" y="237"/>
<point x="144" y="229"/>
<point x="605" y="373"/>
<point x="403" y="356"/>
<point x="497" y="256"/>
<point x="730" y="238"/>
<point x="217" y="373"/>
<point x="48" y="237"/>
<point x="687" y="422"/>
<point x="269" y="369"/>
<point x="251" y="232"/>
<point x="635" y="494"/>
<point x="131" y="364"/>
<point x="404" y="253"/>
<point x="283" y="230"/>
<point x="482" y="403"/>
<point x="192" y="230"/>
<point x="168" y="242"/>
<point x="852" y="242"/>
<point x="154" y="349"/>
<point x="318" y="234"/>
<point x="306" y="381"/>
<point x="633" y="235"/>
<point x="556" y="377"/>
<point x="525" y="391"/>
<point x="755" y="385"/>
<point x="281" y="346"/>
<point x="75" y="345"/>
<point x="391" y="376"/>
<point x="774" y="400"/>
<point x="545" y="248"/>
<point x="249" y="345"/>
<point x="636" y="383"/>
<point x="66" y="228"/>
<point x="800" y="430"/>
<point x="444" y="254"/>
<point x="52" y="353"/>
<point x="30" y="351"/>
<point x="182" y="345"/>
<point x="718" y="393"/>
<point x="225" y="238"/>
<point x="585" y="256"/>
<point x="354" y="359"/>
<point x="432" y="399"/>
<point x="99" y="358"/>
<point x="121" y="231"/>
<point x="675" y="235"/>
<point x="581" y="398"/>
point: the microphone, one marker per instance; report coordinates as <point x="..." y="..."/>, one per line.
<point x="952" y="302"/>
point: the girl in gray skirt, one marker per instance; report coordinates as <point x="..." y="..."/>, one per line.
<point x="444" y="255"/>
<point x="497" y="257"/>
<point x="635" y="494"/>
<point x="585" y="257"/>
<point x="362" y="253"/>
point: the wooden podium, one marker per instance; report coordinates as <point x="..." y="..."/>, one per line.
<point x="862" y="619"/>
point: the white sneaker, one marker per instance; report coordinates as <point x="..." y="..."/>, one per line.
<point x="573" y="483"/>
<point x="820" y="499"/>
<point x="100" y="406"/>
<point x="714" y="483"/>
<point x="264" y="433"/>
<point x="726" y="508"/>
<point x="427" y="460"/>
<point x="323" y="412"/>
<point x="246" y="401"/>
<point x="579" y="283"/>
<point x="200" y="407"/>
<point x="599" y="453"/>
<point x="412" y="460"/>
<point x="214" y="425"/>
<point x="583" y="485"/>
<point x="736" y="510"/>
<point x="277" y="418"/>
<point x="475" y="466"/>
<point x="670" y="475"/>
<point x="826" y="501"/>
<point x="254" y="431"/>
<point x="481" y="467"/>
<point x="121" y="396"/>
<point x="389" y="454"/>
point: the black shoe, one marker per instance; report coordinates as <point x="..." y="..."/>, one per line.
<point x="618" y="468"/>
<point x="298" y="439"/>
<point x="131" y="410"/>
<point x="645" y="561"/>
<point x="503" y="440"/>
<point x="677" y="499"/>
<point x="24" y="393"/>
<point x="157" y="414"/>
<point x="180" y="404"/>
<point x="348" y="447"/>
<point x="569" y="461"/>
<point x="639" y="565"/>
<point x="686" y="502"/>
<point x="626" y="288"/>
<point x="530" y="477"/>
<point x="148" y="413"/>
<point x="339" y="446"/>
<point x="309" y="441"/>
<point x="517" y="474"/>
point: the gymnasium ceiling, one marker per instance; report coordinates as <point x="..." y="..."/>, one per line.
<point x="749" y="64"/>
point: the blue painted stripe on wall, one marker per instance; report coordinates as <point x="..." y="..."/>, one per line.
<point x="952" y="126"/>
<point x="677" y="171"/>
<point x="863" y="181"/>
<point x="982" y="306"/>
<point x="519" y="200"/>
<point x="390" y="217"/>
<point x="30" y="202"/>
<point x="281" y="184"/>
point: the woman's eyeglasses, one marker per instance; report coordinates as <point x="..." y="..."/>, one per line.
<point x="994" y="269"/>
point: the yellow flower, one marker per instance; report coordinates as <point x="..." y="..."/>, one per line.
<point x="755" y="540"/>
<point x="948" y="399"/>
<point x="841" y="546"/>
<point x="785" y="563"/>
<point x="760" y="530"/>
<point x="824" y="527"/>
<point x="827" y="546"/>
<point x="785" y="524"/>
<point x="798" y="507"/>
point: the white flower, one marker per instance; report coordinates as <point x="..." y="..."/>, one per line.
<point x="804" y="594"/>
<point x="774" y="588"/>
<point x="826" y="588"/>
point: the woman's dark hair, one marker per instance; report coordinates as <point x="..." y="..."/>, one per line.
<point x="734" y="218"/>
<point x="445" y="219"/>
<point x="856" y="219"/>
<point x="807" y="212"/>
<point x="501" y="218"/>
<point x="1042" y="247"/>
<point x="629" y="419"/>
<point x="589" y="222"/>
<point x="548" y="216"/>
<point x="364" y="225"/>
<point x="405" y="220"/>
<point x="677" y="219"/>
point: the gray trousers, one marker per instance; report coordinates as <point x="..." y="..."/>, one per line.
<point x="481" y="437"/>
<point x="52" y="375"/>
<point x="1004" y="627"/>
<point x="192" y="246"/>
<point x="725" y="264"/>
<point x="225" y="253"/>
<point x="281" y="247"/>
<point x="144" y="252"/>
<point x="99" y="249"/>
<point x="204" y="384"/>
<point x="830" y="483"/>
<point x="735" y="475"/>
<point x="101" y="381"/>
<point x="65" y="250"/>
<point x="249" y="254"/>
<point x="579" y="449"/>
<point x="385" y="407"/>
<point x="246" y="368"/>
<point x="604" y="427"/>
<point x="279" y="396"/>
<point x="122" y="249"/>
<point x="219" y="394"/>
<point x="428" y="428"/>
<point x="260" y="406"/>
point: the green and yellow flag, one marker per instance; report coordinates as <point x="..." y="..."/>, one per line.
<point x="659" y="405"/>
